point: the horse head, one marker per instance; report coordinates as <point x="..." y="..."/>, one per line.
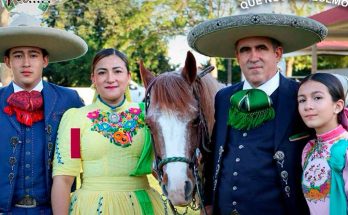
<point x="177" y="107"/>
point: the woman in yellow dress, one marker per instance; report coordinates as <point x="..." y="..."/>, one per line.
<point x="109" y="143"/>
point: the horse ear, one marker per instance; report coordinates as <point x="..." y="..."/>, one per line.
<point x="146" y="75"/>
<point x="189" y="72"/>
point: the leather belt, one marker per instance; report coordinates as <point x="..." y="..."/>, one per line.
<point x="27" y="202"/>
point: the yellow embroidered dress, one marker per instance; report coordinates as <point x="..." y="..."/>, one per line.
<point x="114" y="160"/>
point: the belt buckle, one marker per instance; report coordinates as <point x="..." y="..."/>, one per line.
<point x="234" y="212"/>
<point x="26" y="202"/>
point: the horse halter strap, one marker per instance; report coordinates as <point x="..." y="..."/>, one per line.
<point x="174" y="159"/>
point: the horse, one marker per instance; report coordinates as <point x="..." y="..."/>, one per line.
<point x="180" y="115"/>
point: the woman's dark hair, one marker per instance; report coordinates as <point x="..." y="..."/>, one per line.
<point x="107" y="52"/>
<point x="330" y="81"/>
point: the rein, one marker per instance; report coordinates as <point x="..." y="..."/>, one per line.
<point x="192" y="162"/>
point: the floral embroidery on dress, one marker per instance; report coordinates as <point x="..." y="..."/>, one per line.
<point x="119" y="128"/>
<point x="317" y="173"/>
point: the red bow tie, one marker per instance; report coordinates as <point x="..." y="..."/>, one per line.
<point x="26" y="105"/>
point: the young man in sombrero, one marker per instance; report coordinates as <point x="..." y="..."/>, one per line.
<point x="30" y="111"/>
<point x="255" y="167"/>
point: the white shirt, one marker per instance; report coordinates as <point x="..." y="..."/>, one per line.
<point x="268" y="87"/>
<point x="38" y="87"/>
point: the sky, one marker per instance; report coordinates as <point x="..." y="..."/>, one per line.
<point x="178" y="48"/>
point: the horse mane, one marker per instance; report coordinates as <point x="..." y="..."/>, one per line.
<point x="208" y="89"/>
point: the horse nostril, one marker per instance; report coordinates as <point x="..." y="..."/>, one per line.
<point x="188" y="190"/>
<point x="164" y="189"/>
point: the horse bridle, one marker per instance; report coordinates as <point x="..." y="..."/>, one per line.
<point x="202" y="133"/>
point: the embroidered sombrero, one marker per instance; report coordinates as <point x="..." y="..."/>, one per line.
<point x="217" y="37"/>
<point x="25" y="30"/>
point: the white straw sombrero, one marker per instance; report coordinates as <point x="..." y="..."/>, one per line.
<point x="217" y="37"/>
<point x="25" y="30"/>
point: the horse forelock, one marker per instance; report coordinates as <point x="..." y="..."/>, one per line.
<point x="171" y="93"/>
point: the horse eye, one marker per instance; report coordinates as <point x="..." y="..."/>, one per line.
<point x="195" y="121"/>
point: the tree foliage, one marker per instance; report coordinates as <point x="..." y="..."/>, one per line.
<point x="306" y="7"/>
<point x="302" y="66"/>
<point x="140" y="29"/>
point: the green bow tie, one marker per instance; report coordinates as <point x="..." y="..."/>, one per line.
<point x="249" y="109"/>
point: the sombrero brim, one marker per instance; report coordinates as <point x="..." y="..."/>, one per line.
<point x="60" y="45"/>
<point x="217" y="38"/>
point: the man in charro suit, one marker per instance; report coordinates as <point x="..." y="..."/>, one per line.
<point x="30" y="111"/>
<point x="255" y="164"/>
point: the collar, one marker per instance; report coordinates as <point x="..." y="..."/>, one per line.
<point x="17" y="88"/>
<point x="268" y="87"/>
<point x="331" y="135"/>
<point x="113" y="108"/>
